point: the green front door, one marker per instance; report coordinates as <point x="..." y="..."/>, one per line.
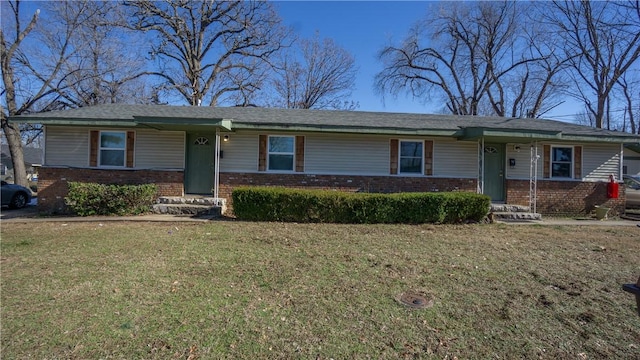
<point x="200" y="163"/>
<point x="494" y="171"/>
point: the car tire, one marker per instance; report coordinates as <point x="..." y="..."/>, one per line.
<point x="18" y="201"/>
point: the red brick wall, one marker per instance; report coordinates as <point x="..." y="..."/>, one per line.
<point x="561" y="198"/>
<point x="566" y="198"/>
<point x="375" y="184"/>
<point x="52" y="183"/>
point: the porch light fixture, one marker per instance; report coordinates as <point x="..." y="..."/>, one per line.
<point x="226" y="138"/>
<point x="516" y="148"/>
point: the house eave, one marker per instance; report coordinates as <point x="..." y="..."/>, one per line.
<point x="475" y="133"/>
<point x="138" y="122"/>
<point x="73" y="122"/>
<point x="345" y="129"/>
<point x="184" y="124"/>
<point x="509" y="135"/>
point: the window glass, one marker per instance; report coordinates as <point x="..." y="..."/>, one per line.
<point x="281" y="153"/>
<point x="561" y="162"/>
<point x="411" y="157"/>
<point x="112" y="148"/>
<point x="112" y="140"/>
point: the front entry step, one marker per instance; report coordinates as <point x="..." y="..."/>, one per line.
<point x="190" y="205"/>
<point x="506" y="212"/>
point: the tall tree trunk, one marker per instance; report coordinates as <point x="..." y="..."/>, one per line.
<point x="12" y="133"/>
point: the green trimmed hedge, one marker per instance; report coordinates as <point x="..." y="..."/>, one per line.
<point x="86" y="199"/>
<point x="293" y="205"/>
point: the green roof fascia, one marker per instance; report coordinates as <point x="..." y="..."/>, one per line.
<point x="346" y="129"/>
<point x="226" y="124"/>
<point x="600" y="138"/>
<point x="76" y="122"/>
<point x="474" y="133"/>
<point x="137" y="122"/>
<point x="635" y="146"/>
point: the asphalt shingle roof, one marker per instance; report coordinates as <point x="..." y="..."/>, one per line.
<point x="265" y="117"/>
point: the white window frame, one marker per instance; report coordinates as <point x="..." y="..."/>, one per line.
<point x="571" y="163"/>
<point x="123" y="149"/>
<point x="269" y="153"/>
<point x="421" y="142"/>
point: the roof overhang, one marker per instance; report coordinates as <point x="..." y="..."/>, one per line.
<point x="634" y="147"/>
<point x="184" y="124"/>
<point x="475" y="133"/>
<point x="527" y="135"/>
<point x="346" y="129"/>
<point x="136" y="122"/>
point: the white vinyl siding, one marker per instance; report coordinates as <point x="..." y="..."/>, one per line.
<point x="523" y="161"/>
<point x="66" y="146"/>
<point x="240" y="152"/>
<point x="632" y="162"/>
<point x="348" y="154"/>
<point x="600" y="160"/>
<point x="69" y="146"/>
<point x="341" y="154"/>
<point x="455" y="158"/>
<point x="159" y="149"/>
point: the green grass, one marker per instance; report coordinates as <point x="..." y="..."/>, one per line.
<point x="269" y="290"/>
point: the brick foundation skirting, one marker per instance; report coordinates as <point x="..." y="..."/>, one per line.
<point x="560" y="198"/>
<point x="566" y="198"/>
<point x="52" y="183"/>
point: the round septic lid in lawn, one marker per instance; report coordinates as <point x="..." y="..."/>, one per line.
<point x="415" y="300"/>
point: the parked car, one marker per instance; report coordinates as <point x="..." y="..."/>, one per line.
<point x="632" y="185"/>
<point x="15" y="196"/>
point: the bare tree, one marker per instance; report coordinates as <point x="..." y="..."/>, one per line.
<point x="321" y="76"/>
<point x="210" y="49"/>
<point x="602" y="39"/>
<point x="107" y="69"/>
<point x="475" y="57"/>
<point x="30" y="83"/>
<point x="630" y="91"/>
<point x="68" y="57"/>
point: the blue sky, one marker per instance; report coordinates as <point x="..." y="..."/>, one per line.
<point x="363" y="28"/>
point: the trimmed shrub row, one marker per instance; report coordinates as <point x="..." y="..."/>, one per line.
<point x="294" y="205"/>
<point x="86" y="199"/>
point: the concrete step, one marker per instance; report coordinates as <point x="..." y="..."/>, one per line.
<point x="509" y="208"/>
<point x="188" y="209"/>
<point x="515" y="216"/>
<point x="189" y="204"/>
<point x="195" y="200"/>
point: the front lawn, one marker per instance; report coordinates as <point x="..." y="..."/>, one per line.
<point x="270" y="290"/>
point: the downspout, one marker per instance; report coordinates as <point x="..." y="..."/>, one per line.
<point x="481" y="167"/>
<point x="216" y="166"/>
<point x="44" y="145"/>
<point x="533" y="177"/>
<point x="621" y="163"/>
